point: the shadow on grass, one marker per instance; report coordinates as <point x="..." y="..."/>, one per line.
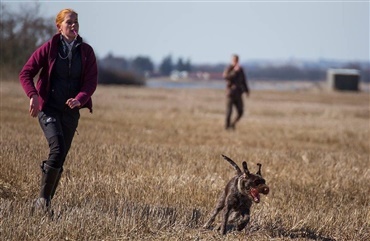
<point x="277" y="230"/>
<point x="281" y="232"/>
<point x="300" y="233"/>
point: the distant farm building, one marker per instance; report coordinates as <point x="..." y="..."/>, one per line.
<point x="343" y="79"/>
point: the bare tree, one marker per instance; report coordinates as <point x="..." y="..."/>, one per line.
<point x="22" y="32"/>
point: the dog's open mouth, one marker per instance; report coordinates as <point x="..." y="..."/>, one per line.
<point x="255" y="195"/>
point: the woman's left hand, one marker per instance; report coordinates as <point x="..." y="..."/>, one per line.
<point x="73" y="103"/>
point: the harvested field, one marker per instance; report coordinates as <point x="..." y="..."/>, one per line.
<point x="146" y="165"/>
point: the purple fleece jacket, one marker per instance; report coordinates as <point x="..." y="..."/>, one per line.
<point x="44" y="58"/>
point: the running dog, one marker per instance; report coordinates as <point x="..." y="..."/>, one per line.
<point x="237" y="198"/>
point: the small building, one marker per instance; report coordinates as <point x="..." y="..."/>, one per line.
<point x="343" y="79"/>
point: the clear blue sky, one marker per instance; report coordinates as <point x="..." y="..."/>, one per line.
<point x="210" y="31"/>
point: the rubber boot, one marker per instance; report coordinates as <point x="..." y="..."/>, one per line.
<point x="56" y="183"/>
<point x="48" y="179"/>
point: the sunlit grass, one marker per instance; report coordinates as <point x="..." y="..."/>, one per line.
<point x="146" y="165"/>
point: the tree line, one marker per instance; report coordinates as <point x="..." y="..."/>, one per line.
<point x="143" y="65"/>
<point x="23" y="31"/>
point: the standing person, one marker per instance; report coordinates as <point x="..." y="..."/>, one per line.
<point x="67" y="80"/>
<point x="236" y="85"/>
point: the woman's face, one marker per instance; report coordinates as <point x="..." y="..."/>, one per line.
<point x="234" y="60"/>
<point x="69" y="25"/>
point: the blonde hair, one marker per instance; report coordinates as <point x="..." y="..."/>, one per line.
<point x="62" y="14"/>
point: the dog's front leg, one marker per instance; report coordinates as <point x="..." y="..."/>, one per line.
<point x="244" y="220"/>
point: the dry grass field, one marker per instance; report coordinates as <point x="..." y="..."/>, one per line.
<point x="147" y="165"/>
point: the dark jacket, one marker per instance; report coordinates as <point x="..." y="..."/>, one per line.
<point x="44" y="59"/>
<point x="236" y="81"/>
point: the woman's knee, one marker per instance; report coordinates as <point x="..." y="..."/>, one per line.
<point x="57" y="151"/>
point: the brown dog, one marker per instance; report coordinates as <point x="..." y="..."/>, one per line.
<point x="238" y="196"/>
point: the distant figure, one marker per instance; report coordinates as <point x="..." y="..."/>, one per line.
<point x="67" y="80"/>
<point x="236" y="86"/>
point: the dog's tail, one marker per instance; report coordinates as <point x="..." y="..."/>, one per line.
<point x="238" y="170"/>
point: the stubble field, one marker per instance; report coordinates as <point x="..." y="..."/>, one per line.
<point x="146" y="165"/>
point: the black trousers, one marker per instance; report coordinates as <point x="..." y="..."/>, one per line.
<point x="237" y="101"/>
<point x="59" y="128"/>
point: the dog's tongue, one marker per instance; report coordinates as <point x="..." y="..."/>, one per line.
<point x="256" y="195"/>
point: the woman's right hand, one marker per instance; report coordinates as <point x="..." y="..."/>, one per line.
<point x="34" y="106"/>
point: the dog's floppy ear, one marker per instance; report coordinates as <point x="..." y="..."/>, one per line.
<point x="245" y="168"/>
<point x="259" y="169"/>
